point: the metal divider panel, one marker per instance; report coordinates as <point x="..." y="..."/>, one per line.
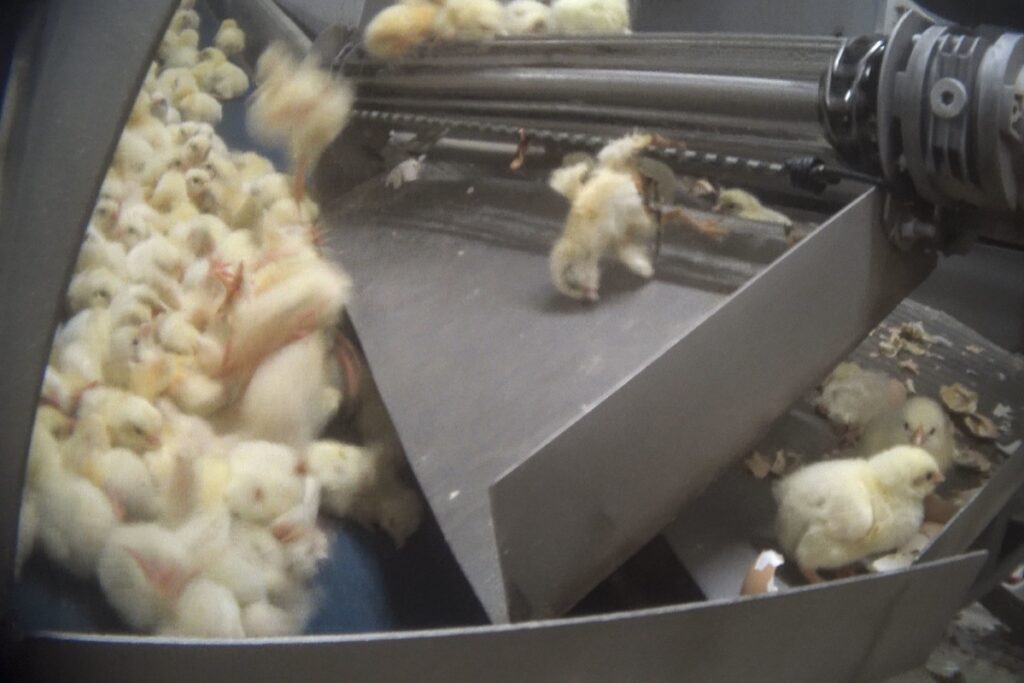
<point x="811" y="634"/>
<point x="569" y="514"/>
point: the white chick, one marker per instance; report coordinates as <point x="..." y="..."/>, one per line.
<point x="919" y="422"/>
<point x="130" y="421"/>
<point x="311" y="299"/>
<point x="172" y="81"/>
<point x="75" y="519"/>
<point x="591" y="16"/>
<point x="265" y="620"/>
<point x="607" y="215"/>
<point x="219" y="77"/>
<point x="837" y="512"/>
<point x="170" y="191"/>
<point x="80" y="349"/>
<point x="400" y="28"/>
<point x="98" y="252"/>
<point x="184" y="18"/>
<point x="736" y="202"/>
<point x="143" y="122"/>
<point x="305" y="544"/>
<point x="469" y="20"/>
<point x="528" y="17"/>
<point x="346" y="473"/>
<point x="200" y="235"/>
<point x="852" y="399"/>
<point x="179" y="49"/>
<point x="206" y="609"/>
<point x="132" y="155"/>
<point x="302" y="366"/>
<point x="45" y="454"/>
<point x="134" y="306"/>
<point x="568" y="180"/>
<point x="142" y="571"/>
<point x="264" y="481"/>
<point x="230" y="39"/>
<point x="302" y="108"/>
<point x="94" y="288"/>
<point x="135" y="224"/>
<point x="105" y="216"/>
<point x="124" y="477"/>
<point x="157" y="262"/>
<point x="251" y="165"/>
<point x="196" y="105"/>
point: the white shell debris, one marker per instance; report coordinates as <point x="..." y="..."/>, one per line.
<point x="407" y="171"/>
<point x="761" y="576"/>
<point x="902" y="558"/>
<point x="1009" y="448"/>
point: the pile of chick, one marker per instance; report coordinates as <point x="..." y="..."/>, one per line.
<point x="410" y="23"/>
<point x="175" y="455"/>
<point x="878" y="495"/>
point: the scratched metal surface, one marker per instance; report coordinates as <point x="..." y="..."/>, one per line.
<point x="719" y="535"/>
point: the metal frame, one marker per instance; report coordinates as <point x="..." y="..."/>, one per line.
<point x="61" y="121"/>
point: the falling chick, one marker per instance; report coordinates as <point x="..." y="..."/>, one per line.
<point x="832" y="514"/>
<point x="607" y="216"/>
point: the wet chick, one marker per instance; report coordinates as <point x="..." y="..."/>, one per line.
<point x="919" y="422"/>
<point x="607" y="216"/>
<point x="851" y="399"/>
<point x="591" y="16"/>
<point x="832" y="514"/>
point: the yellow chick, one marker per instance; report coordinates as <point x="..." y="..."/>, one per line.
<point x="591" y="16"/>
<point x="98" y="252"/>
<point x="130" y="421"/>
<point x="142" y="571"/>
<point x="394" y="507"/>
<point x="132" y="155"/>
<point x="400" y="28"/>
<point x="184" y="18"/>
<point x="179" y="49"/>
<point x="851" y="400"/>
<point x="265" y="620"/>
<point x="75" y="519"/>
<point x="219" y="77"/>
<point x="528" y="17"/>
<point x="607" y="215"/>
<point x="174" y="80"/>
<point x="126" y="480"/>
<point x="196" y="105"/>
<point x="834" y="513"/>
<point x="736" y="202"/>
<point x="345" y="472"/>
<point x="301" y="108"/>
<point x="105" y="216"/>
<point x="251" y="166"/>
<point x="93" y="288"/>
<point x="205" y="609"/>
<point x="45" y="455"/>
<point x="469" y="20"/>
<point x="230" y="39"/>
<point x="919" y="422"/>
<point x="311" y="299"/>
<point x="264" y="481"/>
<point x="142" y="122"/>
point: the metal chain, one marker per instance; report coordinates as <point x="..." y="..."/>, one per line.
<point x="722" y="162"/>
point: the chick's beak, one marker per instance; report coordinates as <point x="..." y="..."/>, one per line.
<point x="918" y="437"/>
<point x="939" y="478"/>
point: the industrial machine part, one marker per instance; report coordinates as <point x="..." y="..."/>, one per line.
<point x="553" y="487"/>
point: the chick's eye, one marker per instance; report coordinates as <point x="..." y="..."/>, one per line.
<point x="906" y="425"/>
<point x="931" y="432"/>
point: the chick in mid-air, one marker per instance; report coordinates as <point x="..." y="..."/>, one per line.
<point x="920" y="422"/>
<point x="591" y="16"/>
<point x="607" y="216"/>
<point x="399" y="28"/>
<point x="298" y="106"/>
<point x="834" y="513"/>
<point x="469" y="20"/>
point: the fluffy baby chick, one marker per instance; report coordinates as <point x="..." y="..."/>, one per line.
<point x="205" y="609"/>
<point x="219" y="77"/>
<point x="105" y="216"/>
<point x="184" y="18"/>
<point x="736" y="202"/>
<point x="132" y="154"/>
<point x="126" y="480"/>
<point x="302" y="366"/>
<point x="230" y="38"/>
<point x="919" y="422"/>
<point x="851" y="400"/>
<point x="837" y="512"/>
<point x="400" y="28"/>
<point x="131" y="421"/>
<point x="528" y="17"/>
<point x="143" y="122"/>
<point x="179" y="49"/>
<point x="99" y="252"/>
<point x="345" y="473"/>
<point x="591" y="16"/>
<point x="469" y="20"/>
<point x="311" y="299"/>
<point x="142" y="571"/>
<point x="300" y="107"/>
<point x="265" y="620"/>
<point x="264" y="481"/>
<point x="94" y="288"/>
<point x="196" y="105"/>
<point x="607" y="215"/>
<point x="75" y="519"/>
